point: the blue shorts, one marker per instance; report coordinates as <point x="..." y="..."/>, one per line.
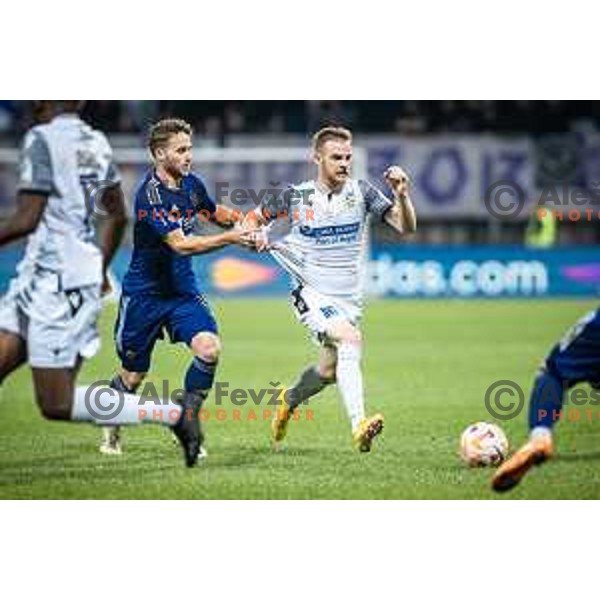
<point x="576" y="358"/>
<point x="144" y="318"/>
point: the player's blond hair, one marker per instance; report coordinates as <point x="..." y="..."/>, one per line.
<point x="330" y="133"/>
<point x="160" y="133"/>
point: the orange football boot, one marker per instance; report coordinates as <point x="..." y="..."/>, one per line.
<point x="535" y="452"/>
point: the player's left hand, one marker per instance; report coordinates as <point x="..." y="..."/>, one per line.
<point x="254" y="236"/>
<point x="397" y="179"/>
<point x="255" y="240"/>
<point x="262" y="242"/>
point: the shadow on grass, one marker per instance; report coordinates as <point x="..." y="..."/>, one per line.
<point x="240" y="456"/>
<point x="578" y="456"/>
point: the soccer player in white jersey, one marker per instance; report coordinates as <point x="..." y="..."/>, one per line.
<point x="318" y="231"/>
<point x="48" y="317"/>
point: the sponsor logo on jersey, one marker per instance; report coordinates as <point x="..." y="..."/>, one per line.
<point x="331" y="230"/>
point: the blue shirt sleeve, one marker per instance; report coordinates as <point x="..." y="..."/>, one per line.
<point x="154" y="209"/>
<point x="202" y="197"/>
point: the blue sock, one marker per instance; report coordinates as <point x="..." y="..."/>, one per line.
<point x="200" y="376"/>
<point x="546" y="401"/>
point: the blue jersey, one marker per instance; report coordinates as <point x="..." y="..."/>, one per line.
<point x="155" y="268"/>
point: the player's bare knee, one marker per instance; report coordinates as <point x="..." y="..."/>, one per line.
<point x="207" y="346"/>
<point x="344" y="333"/>
<point x="350" y="336"/>
<point x="54" y="409"/>
<point x="327" y="366"/>
<point x="327" y="372"/>
<point x="54" y="391"/>
<point x="55" y="413"/>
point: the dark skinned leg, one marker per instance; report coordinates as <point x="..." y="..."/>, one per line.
<point x="13" y="353"/>
<point x="54" y="390"/>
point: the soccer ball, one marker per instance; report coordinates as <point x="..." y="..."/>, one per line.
<point x="483" y="445"/>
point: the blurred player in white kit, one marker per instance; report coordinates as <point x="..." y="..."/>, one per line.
<point x="48" y="317"/>
<point x="318" y="231"/>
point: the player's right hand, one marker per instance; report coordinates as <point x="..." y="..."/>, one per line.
<point x="259" y="238"/>
<point x="244" y="237"/>
<point x="262" y="242"/>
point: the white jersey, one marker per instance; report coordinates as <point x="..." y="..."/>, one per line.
<point x="323" y="242"/>
<point x="62" y="159"/>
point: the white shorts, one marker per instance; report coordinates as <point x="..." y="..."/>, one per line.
<point x="319" y="312"/>
<point x="57" y="325"/>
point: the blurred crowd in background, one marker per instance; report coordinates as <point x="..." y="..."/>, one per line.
<point x="454" y="150"/>
<point x="217" y="119"/>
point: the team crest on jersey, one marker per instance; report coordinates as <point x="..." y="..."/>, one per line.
<point x="350" y="201"/>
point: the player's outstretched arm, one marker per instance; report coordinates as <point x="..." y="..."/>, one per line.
<point x="200" y="244"/>
<point x="227" y="217"/>
<point x="30" y="206"/>
<point x="255" y="220"/>
<point x="401" y="216"/>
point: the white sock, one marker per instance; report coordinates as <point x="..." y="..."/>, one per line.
<point x="538" y="432"/>
<point x="350" y="382"/>
<point x="106" y="406"/>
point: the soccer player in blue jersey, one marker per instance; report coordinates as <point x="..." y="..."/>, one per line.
<point x="574" y="359"/>
<point x="160" y="294"/>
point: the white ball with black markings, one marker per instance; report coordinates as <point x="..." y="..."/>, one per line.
<point x="483" y="445"/>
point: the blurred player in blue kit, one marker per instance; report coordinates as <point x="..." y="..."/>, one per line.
<point x="574" y="359"/>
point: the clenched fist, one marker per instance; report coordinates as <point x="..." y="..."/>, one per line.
<point x="397" y="179"/>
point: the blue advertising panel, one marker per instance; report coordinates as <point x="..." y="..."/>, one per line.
<point x="399" y="271"/>
<point x="485" y="271"/>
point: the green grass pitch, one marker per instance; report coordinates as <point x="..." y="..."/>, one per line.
<point x="427" y="366"/>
